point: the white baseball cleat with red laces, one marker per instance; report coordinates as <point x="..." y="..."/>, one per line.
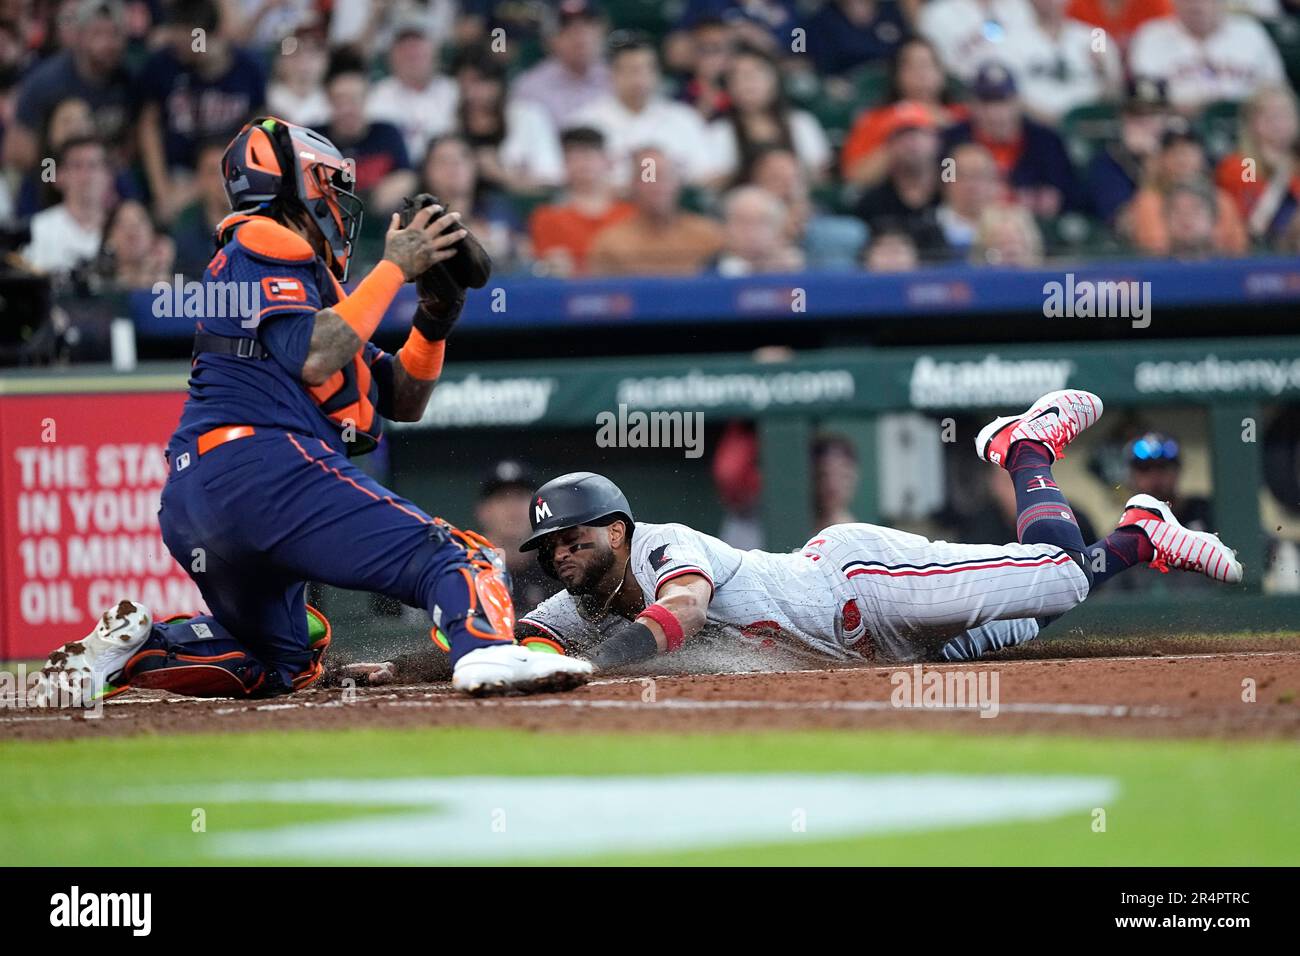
<point x="1176" y="546"/>
<point x="1054" y="420"/>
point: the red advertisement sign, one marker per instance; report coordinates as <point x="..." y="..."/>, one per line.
<point x="81" y="476"/>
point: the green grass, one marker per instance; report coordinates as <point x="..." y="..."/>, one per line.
<point x="1179" y="802"/>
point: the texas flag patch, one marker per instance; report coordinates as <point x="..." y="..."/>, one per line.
<point x="283" y="289"/>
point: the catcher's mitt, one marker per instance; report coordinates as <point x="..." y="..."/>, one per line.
<point x="441" y="287"/>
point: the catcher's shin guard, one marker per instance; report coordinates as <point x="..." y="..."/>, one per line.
<point x="319" y="633"/>
<point x="471" y="592"/>
<point x="196" y="656"/>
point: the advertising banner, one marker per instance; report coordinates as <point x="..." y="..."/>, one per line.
<point x="81" y="476"/>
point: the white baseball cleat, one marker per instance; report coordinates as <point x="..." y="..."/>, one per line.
<point x="1176" y="546"/>
<point x="1055" y="420"/>
<point x="512" y="669"/>
<point x="80" y="672"/>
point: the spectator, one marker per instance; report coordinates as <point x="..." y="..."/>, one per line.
<point x="915" y="79"/>
<point x="760" y="116"/>
<point x="765" y="24"/>
<point x="1181" y="162"/>
<point x="636" y="115"/>
<point x="908" y="197"/>
<point x="973" y="187"/>
<point x="196" y="225"/>
<point x="1119" y="18"/>
<point x="827" y="241"/>
<point x="738" y="479"/>
<point x="91" y="69"/>
<point x="1008" y="237"/>
<point x="366" y="26"/>
<point x="264" y="24"/>
<point x="513" y="140"/>
<point x="191" y="91"/>
<point x="70" y="233"/>
<point x="1206" y="54"/>
<point x="1263" y="175"/>
<point x="835" y="480"/>
<point x="845" y="34"/>
<point x="1030" y="156"/>
<point x="1115" y="172"/>
<point x="659" y="238"/>
<point x="450" y="173"/>
<point x="1288" y="243"/>
<point x="1058" y="63"/>
<point x="562" y="233"/>
<point x="134" y="253"/>
<point x="15" y="59"/>
<point x="501" y="516"/>
<point x="574" y="75"/>
<point x="708" y="59"/>
<point x="297" y="89"/>
<point x="415" y="98"/>
<point x="754" y="231"/>
<point x="1155" y="468"/>
<point x="1190" y="218"/>
<point x="70" y="118"/>
<point x="891" y="250"/>
<point x="382" y="168"/>
<point x="968" y="33"/>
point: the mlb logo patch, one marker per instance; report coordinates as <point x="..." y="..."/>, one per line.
<point x="183" y="461"/>
<point x="284" y="289"/>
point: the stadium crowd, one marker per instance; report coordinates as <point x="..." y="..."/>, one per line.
<point x="631" y="137"/>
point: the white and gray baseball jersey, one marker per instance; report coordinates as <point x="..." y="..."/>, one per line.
<point x="853" y="592"/>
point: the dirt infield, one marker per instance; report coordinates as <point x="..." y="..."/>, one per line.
<point x="1167" y="695"/>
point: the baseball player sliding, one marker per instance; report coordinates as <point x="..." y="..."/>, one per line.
<point x="855" y="591"/>
<point x="261" y="496"/>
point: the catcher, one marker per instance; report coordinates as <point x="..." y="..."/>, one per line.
<point x="261" y="496"/>
<point x="855" y="592"/>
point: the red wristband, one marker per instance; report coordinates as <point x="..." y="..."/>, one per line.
<point x="668" y="621"/>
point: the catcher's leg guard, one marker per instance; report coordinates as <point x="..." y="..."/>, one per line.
<point x="197" y="656"/>
<point x="461" y="580"/>
<point x="320" y="633"/>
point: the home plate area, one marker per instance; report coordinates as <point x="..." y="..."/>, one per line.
<point x="1239" y="695"/>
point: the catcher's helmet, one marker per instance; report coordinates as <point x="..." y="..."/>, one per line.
<point x="574" y="499"/>
<point x="270" y="158"/>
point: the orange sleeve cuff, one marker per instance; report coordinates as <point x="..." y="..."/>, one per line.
<point x="366" y="304"/>
<point x="422" y="358"/>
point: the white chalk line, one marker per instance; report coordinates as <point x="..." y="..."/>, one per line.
<point x="390" y="696"/>
<point x="830" y="706"/>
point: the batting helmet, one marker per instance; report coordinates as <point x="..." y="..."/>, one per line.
<point x="271" y="159"/>
<point x="575" y="499"/>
